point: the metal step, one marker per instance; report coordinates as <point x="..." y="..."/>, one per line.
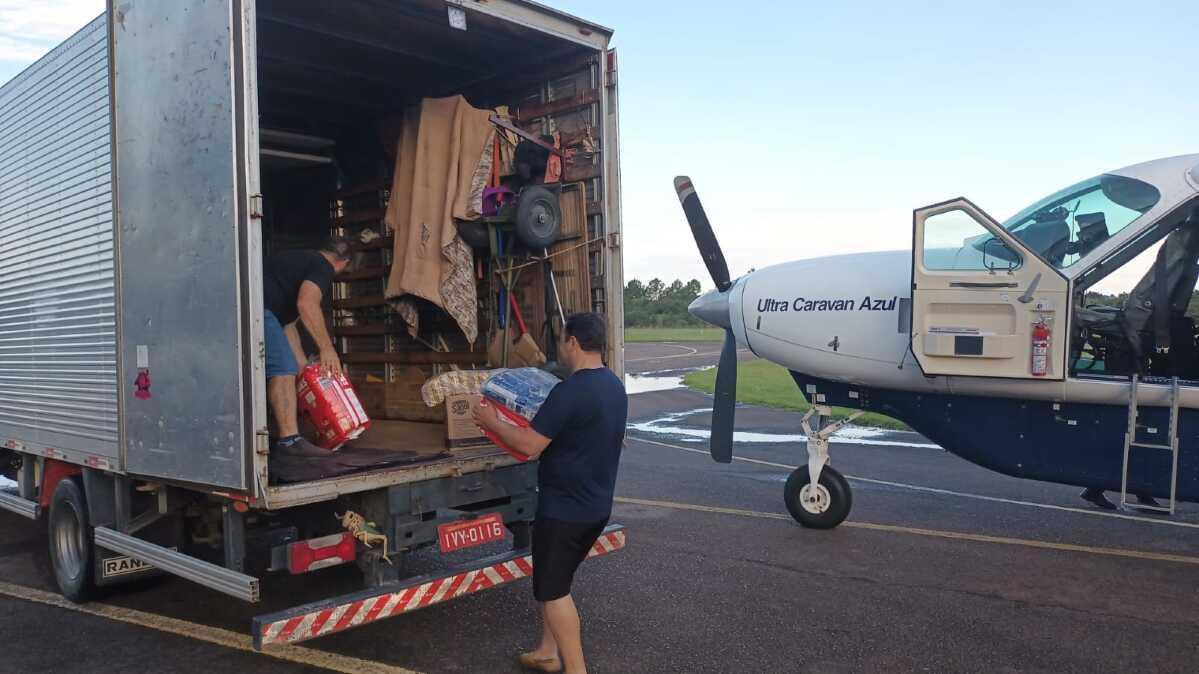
<point x="21" y="506"/>
<point x="209" y="575"/>
<point x="1130" y="441"/>
<point x="1151" y="446"/>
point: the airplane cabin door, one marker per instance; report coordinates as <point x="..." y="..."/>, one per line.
<point x="983" y="304"/>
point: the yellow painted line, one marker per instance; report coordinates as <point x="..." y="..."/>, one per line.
<point x="932" y="533"/>
<point x="213" y="635"/>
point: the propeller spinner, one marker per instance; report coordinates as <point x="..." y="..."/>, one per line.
<point x="714" y="308"/>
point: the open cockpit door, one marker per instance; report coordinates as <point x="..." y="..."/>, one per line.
<point x="983" y="304"/>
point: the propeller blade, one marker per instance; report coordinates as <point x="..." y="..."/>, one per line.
<point x="701" y="229"/>
<point x="725" y="404"/>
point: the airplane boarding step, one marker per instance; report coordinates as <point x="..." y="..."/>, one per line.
<point x="1130" y="441"/>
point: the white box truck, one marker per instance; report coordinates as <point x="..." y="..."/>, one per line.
<point x="147" y="164"/>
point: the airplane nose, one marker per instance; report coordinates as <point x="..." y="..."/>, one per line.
<point x="712" y="308"/>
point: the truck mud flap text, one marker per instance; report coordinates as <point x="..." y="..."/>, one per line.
<point x="115" y="568"/>
<point x="362" y="608"/>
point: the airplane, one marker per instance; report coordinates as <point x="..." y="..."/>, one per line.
<point x="990" y="338"/>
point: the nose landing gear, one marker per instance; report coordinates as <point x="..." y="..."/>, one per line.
<point x="818" y="496"/>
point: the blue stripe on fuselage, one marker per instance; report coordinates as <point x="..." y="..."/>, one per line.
<point x="1031" y="439"/>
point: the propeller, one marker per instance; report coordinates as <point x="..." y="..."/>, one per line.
<point x="701" y="229"/>
<point x="714" y="308"/>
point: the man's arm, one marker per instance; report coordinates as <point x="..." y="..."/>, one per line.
<point x="309" y="306"/>
<point x="297" y="348"/>
<point x="519" y="439"/>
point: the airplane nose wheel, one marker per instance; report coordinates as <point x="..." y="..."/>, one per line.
<point x="821" y="507"/>
<point x="817" y="496"/>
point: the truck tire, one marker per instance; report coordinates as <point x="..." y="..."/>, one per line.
<point x="825" y="509"/>
<point x="72" y="548"/>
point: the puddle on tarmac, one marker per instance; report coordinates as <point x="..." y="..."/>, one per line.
<point x="668" y="426"/>
<point x="663" y="380"/>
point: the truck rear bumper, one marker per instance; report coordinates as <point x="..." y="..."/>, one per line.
<point x="339" y="614"/>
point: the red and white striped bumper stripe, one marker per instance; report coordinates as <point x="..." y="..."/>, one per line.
<point x="343" y="615"/>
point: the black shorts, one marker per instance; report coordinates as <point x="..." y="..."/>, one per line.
<point x="558" y="549"/>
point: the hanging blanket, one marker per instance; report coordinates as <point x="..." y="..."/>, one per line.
<point x="442" y="165"/>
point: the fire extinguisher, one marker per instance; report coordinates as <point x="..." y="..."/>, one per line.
<point x="1040" y="349"/>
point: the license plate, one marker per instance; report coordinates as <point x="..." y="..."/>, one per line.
<point x="468" y="534"/>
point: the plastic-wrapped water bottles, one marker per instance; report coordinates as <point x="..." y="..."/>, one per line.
<point x="521" y="390"/>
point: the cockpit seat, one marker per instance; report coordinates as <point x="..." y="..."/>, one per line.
<point x="1151" y="313"/>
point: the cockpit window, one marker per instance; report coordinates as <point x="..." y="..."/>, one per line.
<point x="1064" y="227"/>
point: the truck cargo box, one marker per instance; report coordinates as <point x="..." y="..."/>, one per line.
<point x="151" y="161"/>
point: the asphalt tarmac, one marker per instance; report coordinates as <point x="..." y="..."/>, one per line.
<point x="941" y="567"/>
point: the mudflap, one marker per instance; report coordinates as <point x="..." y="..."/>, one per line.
<point x="339" y="614"/>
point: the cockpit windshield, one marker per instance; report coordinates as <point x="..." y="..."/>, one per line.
<point x="1065" y="226"/>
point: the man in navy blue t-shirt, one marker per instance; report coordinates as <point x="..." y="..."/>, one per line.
<point x="578" y="434"/>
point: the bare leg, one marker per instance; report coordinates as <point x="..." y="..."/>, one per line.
<point x="548" y="647"/>
<point x="282" y="393"/>
<point x="562" y="618"/>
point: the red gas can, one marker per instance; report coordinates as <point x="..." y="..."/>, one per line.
<point x="332" y="407"/>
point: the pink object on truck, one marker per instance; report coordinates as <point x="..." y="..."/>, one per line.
<point x="332" y="407"/>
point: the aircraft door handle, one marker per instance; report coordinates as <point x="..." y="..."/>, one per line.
<point x="978" y="284"/>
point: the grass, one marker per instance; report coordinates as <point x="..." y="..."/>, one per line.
<point x="760" y="382"/>
<point x="673" y="335"/>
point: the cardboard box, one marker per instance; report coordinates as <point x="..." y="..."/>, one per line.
<point x="461" y="431"/>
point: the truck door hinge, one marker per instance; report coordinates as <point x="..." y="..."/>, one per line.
<point x="262" y="442"/>
<point x="614" y="240"/>
<point x="256" y="206"/>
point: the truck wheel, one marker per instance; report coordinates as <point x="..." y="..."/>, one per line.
<point x="824" y="507"/>
<point x="72" y="553"/>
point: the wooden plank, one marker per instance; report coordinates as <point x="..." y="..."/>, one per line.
<point x="574" y="172"/>
<point x="360" y="302"/>
<point x="534" y="110"/>
<point x="416" y="358"/>
<point x="370" y="215"/>
<point x="399" y="399"/>
<point x="372" y="330"/>
<point x="570" y="138"/>
<point x="364" y="274"/>
<point x="571" y="265"/>
<point x="365" y="188"/>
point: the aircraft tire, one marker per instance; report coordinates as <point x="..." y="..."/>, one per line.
<point x="833" y="498"/>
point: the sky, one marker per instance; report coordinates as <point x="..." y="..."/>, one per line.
<point x="814" y="129"/>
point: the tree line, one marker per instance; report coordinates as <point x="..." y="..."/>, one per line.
<point x="1118" y="301"/>
<point x="657" y="305"/>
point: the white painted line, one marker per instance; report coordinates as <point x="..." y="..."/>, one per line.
<point x="689" y="352"/>
<point x="693" y="354"/>
<point x="198" y="632"/>
<point x="949" y="492"/>
<point x="932" y="533"/>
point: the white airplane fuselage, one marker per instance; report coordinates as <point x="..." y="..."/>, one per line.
<point x="842" y="326"/>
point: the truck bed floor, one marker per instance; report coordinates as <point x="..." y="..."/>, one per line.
<point x="387" y="443"/>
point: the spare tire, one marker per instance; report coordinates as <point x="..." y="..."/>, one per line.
<point x="538" y="217"/>
<point x="475" y="234"/>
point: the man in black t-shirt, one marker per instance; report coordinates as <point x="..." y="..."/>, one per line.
<point x="578" y="434"/>
<point x="294" y="283"/>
